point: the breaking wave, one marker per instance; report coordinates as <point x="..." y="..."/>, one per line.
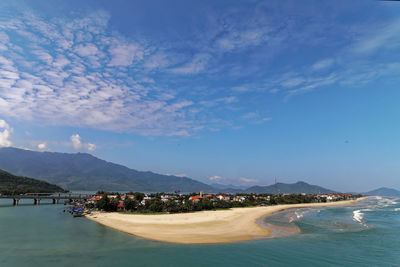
<point x="358" y="216"/>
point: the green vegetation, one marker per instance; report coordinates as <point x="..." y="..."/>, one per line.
<point x="138" y="203"/>
<point x="11" y="184"/>
<point x="107" y="204"/>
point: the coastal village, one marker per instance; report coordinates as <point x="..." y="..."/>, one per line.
<point x="176" y="202"/>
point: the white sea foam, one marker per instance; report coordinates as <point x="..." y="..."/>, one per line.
<point x="385" y="202"/>
<point x="358" y="216"/>
<point x="397" y="209"/>
<point x="300" y="213"/>
<point x="367" y="210"/>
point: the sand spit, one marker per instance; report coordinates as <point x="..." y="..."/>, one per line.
<point x="205" y="227"/>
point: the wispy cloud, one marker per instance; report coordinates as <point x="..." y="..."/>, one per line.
<point x="323" y="64"/>
<point x="80" y="72"/>
<point x="74" y="77"/>
<point x="385" y="36"/>
<point x="177" y="174"/>
<point x="215" y="178"/>
<point x="248" y="180"/>
<point x="197" y="64"/>
<point x="255" y="118"/>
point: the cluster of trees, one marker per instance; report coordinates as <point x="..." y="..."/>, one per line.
<point x="181" y="203"/>
<point x="292" y="199"/>
<point x="15" y="185"/>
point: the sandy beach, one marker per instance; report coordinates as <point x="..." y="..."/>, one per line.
<point x="205" y="227"/>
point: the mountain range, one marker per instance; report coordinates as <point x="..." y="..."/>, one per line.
<point x="296" y="188"/>
<point x="82" y="171"/>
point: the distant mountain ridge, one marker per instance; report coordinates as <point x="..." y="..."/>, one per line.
<point x="83" y="171"/>
<point x="295" y="188"/>
<point x="11" y="184"/>
<point x="384" y="192"/>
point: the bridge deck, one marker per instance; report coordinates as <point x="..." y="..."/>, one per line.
<point x="64" y="196"/>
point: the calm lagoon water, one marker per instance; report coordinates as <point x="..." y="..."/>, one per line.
<point x="365" y="235"/>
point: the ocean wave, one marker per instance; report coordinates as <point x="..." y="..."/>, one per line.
<point x="382" y="202"/>
<point x="397" y="209"/>
<point x="368" y="210"/>
<point x="358" y="216"/>
<point x="300" y="213"/>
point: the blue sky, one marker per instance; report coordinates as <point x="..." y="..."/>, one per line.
<point x="235" y="92"/>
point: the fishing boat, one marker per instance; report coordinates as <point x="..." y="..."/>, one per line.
<point x="77" y="211"/>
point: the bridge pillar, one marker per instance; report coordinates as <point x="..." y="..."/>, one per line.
<point x="55" y="200"/>
<point x="36" y="201"/>
<point x="15" y="201"/>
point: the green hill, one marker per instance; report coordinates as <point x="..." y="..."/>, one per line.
<point x="11" y="184"/>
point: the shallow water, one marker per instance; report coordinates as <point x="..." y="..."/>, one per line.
<point x="365" y="235"/>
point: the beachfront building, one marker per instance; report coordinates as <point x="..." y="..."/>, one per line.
<point x="198" y="197"/>
<point x="238" y="198"/>
<point x="224" y="197"/>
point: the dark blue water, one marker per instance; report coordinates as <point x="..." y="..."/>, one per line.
<point x="366" y="235"/>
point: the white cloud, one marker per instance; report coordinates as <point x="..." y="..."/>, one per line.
<point x="248" y="180"/>
<point x="215" y="178"/>
<point x="79" y="145"/>
<point x="86" y="50"/>
<point x="125" y="54"/>
<point x="42" y="146"/>
<point x="80" y="72"/>
<point x="5" y="132"/>
<point x="156" y="61"/>
<point x="84" y="82"/>
<point x="91" y="147"/>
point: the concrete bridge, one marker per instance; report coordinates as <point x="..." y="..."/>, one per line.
<point x="55" y="197"/>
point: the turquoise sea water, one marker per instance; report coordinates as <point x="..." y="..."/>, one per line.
<point x="365" y="235"/>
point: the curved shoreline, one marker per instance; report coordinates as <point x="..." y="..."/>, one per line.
<point x="204" y="227"/>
